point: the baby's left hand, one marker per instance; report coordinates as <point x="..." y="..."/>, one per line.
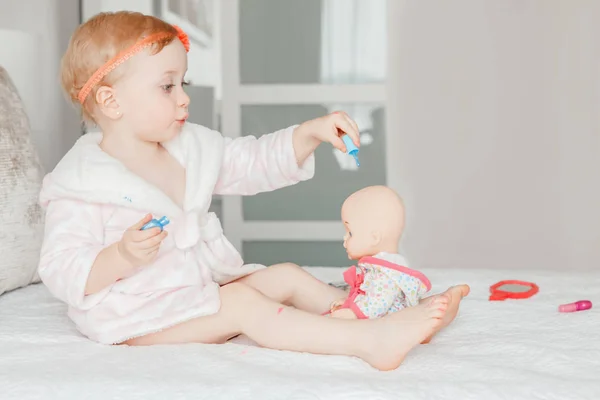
<point x="330" y="128"/>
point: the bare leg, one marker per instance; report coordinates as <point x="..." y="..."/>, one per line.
<point x="289" y="284"/>
<point x="455" y="294"/>
<point x="270" y="324"/>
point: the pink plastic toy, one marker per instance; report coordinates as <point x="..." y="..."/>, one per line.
<point x="577" y="306"/>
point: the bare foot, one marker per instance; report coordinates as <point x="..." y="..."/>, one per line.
<point x="399" y="332"/>
<point x="455" y="295"/>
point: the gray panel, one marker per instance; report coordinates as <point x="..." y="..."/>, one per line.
<point x="216" y="206"/>
<point x="310" y="41"/>
<point x="280" y="41"/>
<point x="202" y="105"/>
<point x="315" y="254"/>
<point x="320" y="198"/>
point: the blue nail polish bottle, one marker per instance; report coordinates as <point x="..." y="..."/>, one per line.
<point x="160" y="223"/>
<point x="351" y="148"/>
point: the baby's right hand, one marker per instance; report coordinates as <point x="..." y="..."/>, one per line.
<point x="141" y="247"/>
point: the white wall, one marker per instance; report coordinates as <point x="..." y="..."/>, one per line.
<point x="54" y="25"/>
<point x="495" y="107"/>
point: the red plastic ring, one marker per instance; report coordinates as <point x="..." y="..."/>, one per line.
<point x="501" y="295"/>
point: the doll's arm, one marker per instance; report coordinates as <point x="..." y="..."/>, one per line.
<point x="253" y="165"/>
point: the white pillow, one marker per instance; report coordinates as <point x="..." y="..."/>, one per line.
<point x="21" y="217"/>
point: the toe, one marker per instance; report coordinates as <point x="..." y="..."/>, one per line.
<point x="465" y="290"/>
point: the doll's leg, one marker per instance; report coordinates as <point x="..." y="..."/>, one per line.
<point x="289" y="284"/>
<point x="343" y="313"/>
<point x="455" y="294"/>
<point x="382" y="342"/>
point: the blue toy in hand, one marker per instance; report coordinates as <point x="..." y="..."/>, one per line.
<point x="351" y="148"/>
<point x="160" y="223"/>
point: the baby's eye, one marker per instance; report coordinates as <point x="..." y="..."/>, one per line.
<point x="168" y="88"/>
<point x="350" y="234"/>
<point x="185" y="83"/>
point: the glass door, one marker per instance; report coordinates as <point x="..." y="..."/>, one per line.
<point x="286" y="61"/>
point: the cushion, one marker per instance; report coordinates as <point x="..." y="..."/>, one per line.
<point x="21" y="217"/>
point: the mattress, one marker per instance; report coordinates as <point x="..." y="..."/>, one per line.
<point x="517" y="349"/>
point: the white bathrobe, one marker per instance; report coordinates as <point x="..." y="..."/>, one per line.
<point x="91" y="199"/>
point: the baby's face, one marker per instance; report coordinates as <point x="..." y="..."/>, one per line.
<point x="150" y="94"/>
<point x="358" y="238"/>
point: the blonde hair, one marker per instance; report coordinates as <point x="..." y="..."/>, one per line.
<point x="100" y="39"/>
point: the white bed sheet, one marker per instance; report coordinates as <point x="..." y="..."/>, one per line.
<point x="494" y="350"/>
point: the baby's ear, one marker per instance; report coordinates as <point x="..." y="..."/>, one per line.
<point x="375" y="238"/>
<point x="107" y="102"/>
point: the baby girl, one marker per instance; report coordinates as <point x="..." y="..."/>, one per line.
<point x="186" y="283"/>
<point x="382" y="283"/>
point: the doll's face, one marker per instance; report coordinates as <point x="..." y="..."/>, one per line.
<point x="359" y="238"/>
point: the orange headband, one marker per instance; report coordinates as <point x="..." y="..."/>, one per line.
<point x="123" y="56"/>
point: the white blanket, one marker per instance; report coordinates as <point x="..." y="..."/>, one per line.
<point x="519" y="349"/>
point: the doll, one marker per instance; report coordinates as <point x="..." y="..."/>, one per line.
<point x="382" y="283"/>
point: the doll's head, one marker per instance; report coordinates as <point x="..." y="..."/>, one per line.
<point x="374" y="221"/>
<point x="126" y="70"/>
